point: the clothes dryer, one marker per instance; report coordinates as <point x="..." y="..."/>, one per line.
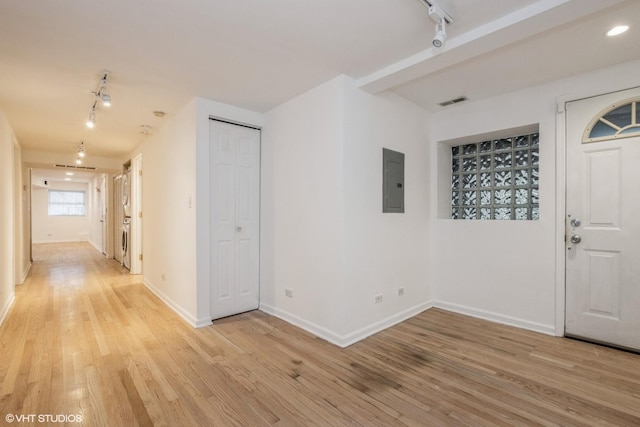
<point x="126" y="193"/>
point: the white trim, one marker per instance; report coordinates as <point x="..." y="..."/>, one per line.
<point x="353" y="337"/>
<point x="561" y="188"/>
<point x="7" y="307"/>
<point x="496" y="317"/>
<point x="95" y="246"/>
<point x="135" y="236"/>
<point x="25" y="273"/>
<point x="187" y="317"/>
<point x="561" y="212"/>
<point x="40" y="242"/>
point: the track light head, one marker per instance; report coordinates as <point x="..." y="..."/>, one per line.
<point x="438" y="40"/>
<point x="441" y="17"/>
<point x="106" y="99"/>
<point x="103" y="93"/>
<point x="81" y="152"/>
<point x="91" y="122"/>
<point x="441" y="34"/>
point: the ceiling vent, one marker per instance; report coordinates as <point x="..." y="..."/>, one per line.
<point x="454" y="101"/>
<point x="86" y="168"/>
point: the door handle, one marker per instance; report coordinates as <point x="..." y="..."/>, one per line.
<point x="575" y="222"/>
<point x="575" y="239"/>
<point x="238" y="229"/>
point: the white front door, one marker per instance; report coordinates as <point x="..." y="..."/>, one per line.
<point x="603" y="218"/>
<point x="235" y="218"/>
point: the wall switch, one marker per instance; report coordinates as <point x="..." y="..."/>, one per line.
<point x="378" y="298"/>
<point x="288" y="292"/>
<point x="400" y="292"/>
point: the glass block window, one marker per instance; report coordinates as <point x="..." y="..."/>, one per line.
<point x="66" y="203"/>
<point x="496" y="179"/>
<point x="618" y="120"/>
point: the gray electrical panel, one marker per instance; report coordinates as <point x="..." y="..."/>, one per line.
<point x="392" y="181"/>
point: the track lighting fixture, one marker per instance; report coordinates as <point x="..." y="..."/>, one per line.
<point x="91" y="121"/>
<point x="101" y="93"/>
<point x="106" y="98"/>
<point x="81" y="153"/>
<point x="441" y="17"/>
<point x="441" y="33"/>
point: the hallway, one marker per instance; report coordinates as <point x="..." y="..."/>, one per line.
<point x="86" y="339"/>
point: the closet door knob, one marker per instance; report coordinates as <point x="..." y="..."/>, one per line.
<point x="238" y="229"/>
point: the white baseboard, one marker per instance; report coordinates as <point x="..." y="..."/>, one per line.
<point x="352" y="337"/>
<point x="496" y="317"/>
<point x="360" y="334"/>
<point x="383" y="324"/>
<point x="7" y="307"/>
<point x="301" y="323"/>
<point x="95" y="246"/>
<point x="186" y="316"/>
<point x="25" y="273"/>
<point x="39" y="242"/>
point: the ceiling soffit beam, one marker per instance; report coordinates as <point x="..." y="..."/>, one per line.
<point x="529" y="21"/>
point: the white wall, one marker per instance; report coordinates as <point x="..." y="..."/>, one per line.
<point x="302" y="210"/>
<point x="206" y="109"/>
<point x="21" y="220"/>
<point x="384" y="251"/>
<point x="7" y="264"/>
<point x="175" y="204"/>
<point x="26" y="223"/>
<point x="322" y="231"/>
<point x="324" y="234"/>
<point x="48" y="229"/>
<point x="169" y="234"/>
<point x="510" y="272"/>
<point x="93" y="211"/>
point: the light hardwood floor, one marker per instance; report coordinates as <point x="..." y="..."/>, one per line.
<point x="86" y="338"/>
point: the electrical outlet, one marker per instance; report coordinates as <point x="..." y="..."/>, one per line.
<point x="400" y="292"/>
<point x="378" y="298"/>
<point x="288" y="293"/>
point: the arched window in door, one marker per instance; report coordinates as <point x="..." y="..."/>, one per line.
<point x="619" y="120"/>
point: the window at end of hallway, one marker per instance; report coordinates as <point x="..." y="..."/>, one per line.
<point x="496" y="179"/>
<point x="66" y="203"/>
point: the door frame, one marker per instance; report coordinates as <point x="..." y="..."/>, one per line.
<point x="210" y="171"/>
<point x="561" y="189"/>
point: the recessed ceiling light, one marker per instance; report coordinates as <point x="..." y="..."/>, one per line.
<point x="69" y="173"/>
<point x="617" y="30"/>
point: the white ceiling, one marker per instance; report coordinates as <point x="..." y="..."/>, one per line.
<point x="257" y="54"/>
<point x="39" y="175"/>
